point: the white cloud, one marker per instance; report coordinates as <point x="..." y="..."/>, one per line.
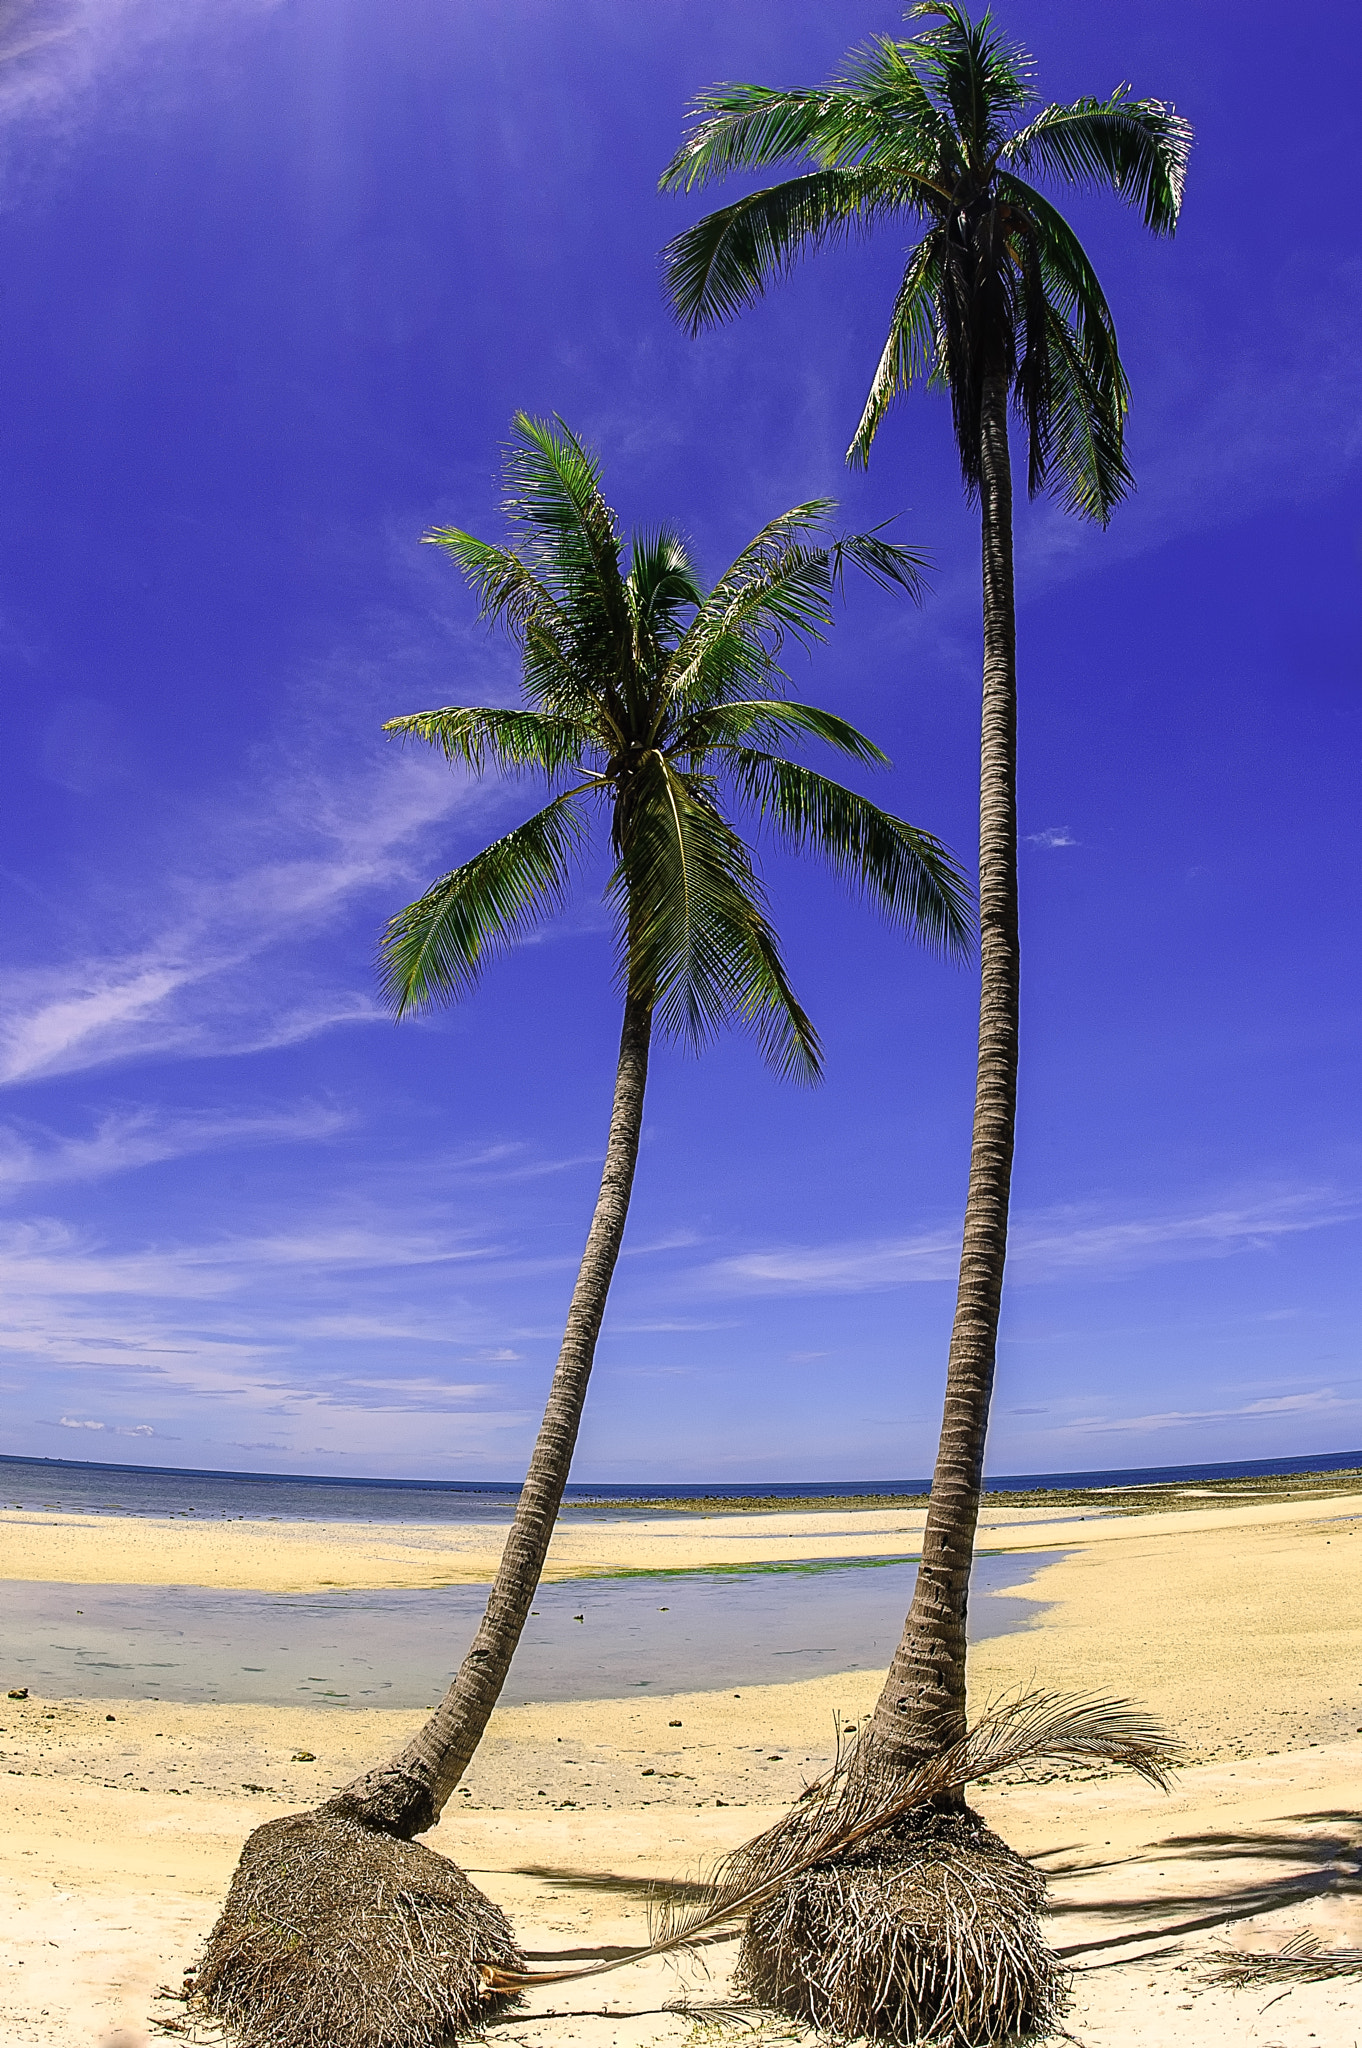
<point x="1321" y="1401"/>
<point x="126" y="1139"/>
<point x="1052" y="836"/>
<point x="219" y="975"/>
<point x="1040" y="1248"/>
<point x="55" y="53"/>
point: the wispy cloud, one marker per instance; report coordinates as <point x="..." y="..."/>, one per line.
<point x="219" y="975"/>
<point x="1052" y="836"/>
<point x="1326" y="1402"/>
<point x="125" y="1139"/>
<point x="55" y="53"/>
<point x="1041" y="1247"/>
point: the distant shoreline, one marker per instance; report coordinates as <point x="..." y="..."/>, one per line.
<point x="711" y="1496"/>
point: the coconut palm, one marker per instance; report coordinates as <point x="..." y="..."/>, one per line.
<point x="999" y="306"/>
<point x="652" y="706"/>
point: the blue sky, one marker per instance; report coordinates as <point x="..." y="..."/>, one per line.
<point x="275" y="275"/>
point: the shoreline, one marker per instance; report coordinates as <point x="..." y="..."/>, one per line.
<point x="301" y="1557"/>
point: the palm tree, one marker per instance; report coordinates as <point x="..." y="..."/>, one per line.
<point x="999" y="305"/>
<point x="652" y="705"/>
<point x="641" y="701"/>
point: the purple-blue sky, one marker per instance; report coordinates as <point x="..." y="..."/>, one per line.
<point x="273" y="276"/>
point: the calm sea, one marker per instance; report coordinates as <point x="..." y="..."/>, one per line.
<point x="70" y="1487"/>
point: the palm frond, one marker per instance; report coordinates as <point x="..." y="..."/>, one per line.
<point x="737" y="127"/>
<point x="511" y="740"/>
<point x="662" y="579"/>
<point x="1302" y="1960"/>
<point x="971" y="67"/>
<point x="778" y="585"/>
<point x="435" y="949"/>
<point x="1138" y="148"/>
<point x="508" y="591"/>
<point x="850" y="1806"/>
<point x="698" y="934"/>
<point x="909" y="874"/>
<point x="1071" y="283"/>
<point x="887" y="563"/>
<point x="892" y="119"/>
<point x="767" y="720"/>
<point x="1085" y="455"/>
<point x="727" y="260"/>
<point x="909" y="351"/>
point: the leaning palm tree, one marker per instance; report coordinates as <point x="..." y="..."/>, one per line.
<point x="999" y="306"/>
<point x="653" y="705"/>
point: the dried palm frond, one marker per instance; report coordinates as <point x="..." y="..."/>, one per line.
<point x="334" y="1933"/>
<point x="1304" y="1960"/>
<point x="857" y="1801"/>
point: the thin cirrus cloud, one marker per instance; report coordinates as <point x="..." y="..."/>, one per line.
<point x="1327" y="1402"/>
<point x="195" y="988"/>
<point x="124" y="1140"/>
<point x="228" y="1319"/>
<point x="1041" y="1248"/>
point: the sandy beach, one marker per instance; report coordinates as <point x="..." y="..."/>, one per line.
<point x="1241" y="1626"/>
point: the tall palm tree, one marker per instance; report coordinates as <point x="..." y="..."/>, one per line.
<point x="651" y="703"/>
<point x="999" y="305"/>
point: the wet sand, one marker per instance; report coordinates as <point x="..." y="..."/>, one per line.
<point x="1241" y="1627"/>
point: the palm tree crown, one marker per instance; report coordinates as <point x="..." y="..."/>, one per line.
<point x="655" y="701"/>
<point x="999" y="283"/>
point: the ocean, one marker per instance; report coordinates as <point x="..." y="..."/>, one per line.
<point x="69" y="1486"/>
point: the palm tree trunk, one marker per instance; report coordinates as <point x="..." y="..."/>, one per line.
<point x="406" y="1796"/>
<point x="922" y="1706"/>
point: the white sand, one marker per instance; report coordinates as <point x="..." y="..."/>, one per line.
<point x="1242" y="1627"/>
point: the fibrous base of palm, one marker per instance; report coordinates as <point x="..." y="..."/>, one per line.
<point x="927" y="1931"/>
<point x="334" y="1933"/>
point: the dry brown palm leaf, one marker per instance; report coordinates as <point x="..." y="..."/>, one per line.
<point x="1304" y="1960"/>
<point x="849" y="1806"/>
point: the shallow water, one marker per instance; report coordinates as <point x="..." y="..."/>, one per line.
<point x="587" y="1638"/>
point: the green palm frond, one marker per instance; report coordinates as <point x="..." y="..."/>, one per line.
<point x="891" y="118"/>
<point x="508" y="591"/>
<point x="511" y="740"/>
<point x="886" y="562"/>
<point x="1071" y="283"/>
<point x="735" y="127"/>
<point x="662" y="588"/>
<point x="1138" y="148"/>
<point x="1085" y="454"/>
<point x="768" y="720"/>
<point x="909" y="874"/>
<point x="699" y="937"/>
<point x="973" y="71"/>
<point x="727" y="260"/>
<point x="876" y="114"/>
<point x="435" y="949"/>
<point x="909" y="353"/>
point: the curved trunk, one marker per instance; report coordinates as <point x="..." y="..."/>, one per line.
<point x="922" y="1706"/>
<point x="405" y="1797"/>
